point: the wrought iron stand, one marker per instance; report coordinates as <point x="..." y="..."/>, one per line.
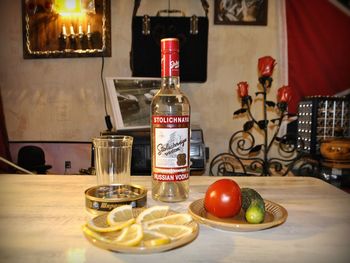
<point x="245" y="157"/>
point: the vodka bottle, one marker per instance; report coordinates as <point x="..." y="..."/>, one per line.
<point x="170" y="130"/>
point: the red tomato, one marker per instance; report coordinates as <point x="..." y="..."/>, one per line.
<point x="223" y="198"/>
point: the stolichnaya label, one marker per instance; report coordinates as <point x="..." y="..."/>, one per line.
<point x="170" y="119"/>
<point x="171" y="153"/>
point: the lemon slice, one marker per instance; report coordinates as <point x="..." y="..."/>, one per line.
<point x="151" y="234"/>
<point x="130" y="236"/>
<point x="87" y="230"/>
<point x="152" y="213"/>
<point x="172" y="231"/>
<point x="99" y="224"/>
<point x="175" y="219"/>
<point x="154" y="238"/>
<point x="121" y="216"/>
<point x="156" y="242"/>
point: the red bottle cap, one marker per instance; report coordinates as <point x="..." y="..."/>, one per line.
<point x="170" y="44"/>
<point x="170" y="65"/>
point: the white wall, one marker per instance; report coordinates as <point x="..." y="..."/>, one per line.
<point x="61" y="99"/>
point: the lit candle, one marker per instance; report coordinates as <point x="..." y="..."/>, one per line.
<point x="64" y="31"/>
<point x="71" y="30"/>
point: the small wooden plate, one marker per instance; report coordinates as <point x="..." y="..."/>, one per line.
<point x="142" y="249"/>
<point x="274" y="216"/>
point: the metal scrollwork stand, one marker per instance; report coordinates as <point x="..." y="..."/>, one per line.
<point x="245" y="157"/>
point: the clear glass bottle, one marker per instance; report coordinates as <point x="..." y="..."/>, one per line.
<point x="170" y="130"/>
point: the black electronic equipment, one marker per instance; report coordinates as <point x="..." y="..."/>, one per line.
<point x="321" y="117"/>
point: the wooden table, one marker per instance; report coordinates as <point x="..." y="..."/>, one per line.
<point x="41" y="218"/>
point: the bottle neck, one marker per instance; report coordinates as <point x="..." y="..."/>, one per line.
<point x="170" y="69"/>
<point x="170" y="82"/>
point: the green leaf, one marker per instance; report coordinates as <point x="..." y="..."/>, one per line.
<point x="255" y="149"/>
<point x="240" y="111"/>
<point x="270" y="103"/>
<point x="250" y="99"/>
<point x="248" y="125"/>
<point x="263" y="124"/>
<point x="274" y="120"/>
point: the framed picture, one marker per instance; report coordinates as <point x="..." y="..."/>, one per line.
<point x="131" y="99"/>
<point x="66" y="29"/>
<point x="240" y="12"/>
<point x="343" y="5"/>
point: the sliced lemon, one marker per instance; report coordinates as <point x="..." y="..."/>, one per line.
<point x="130" y="236"/>
<point x="152" y="213"/>
<point x="121" y="216"/>
<point x="120" y="213"/>
<point x="175" y="219"/>
<point x="151" y="234"/>
<point x="154" y="238"/>
<point x="172" y="231"/>
<point x="156" y="242"/>
<point x="99" y="224"/>
<point x="87" y="230"/>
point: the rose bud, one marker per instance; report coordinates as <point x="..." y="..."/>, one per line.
<point x="242" y="89"/>
<point x="284" y="94"/>
<point x="265" y="66"/>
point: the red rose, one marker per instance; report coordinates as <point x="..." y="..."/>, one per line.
<point x="265" y="66"/>
<point x="242" y="89"/>
<point x="284" y="94"/>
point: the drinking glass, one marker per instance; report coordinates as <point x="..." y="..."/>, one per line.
<point x="112" y="155"/>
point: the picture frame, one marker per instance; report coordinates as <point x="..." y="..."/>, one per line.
<point x="240" y="12"/>
<point x="130" y="100"/>
<point x="343" y="5"/>
<point x="50" y="30"/>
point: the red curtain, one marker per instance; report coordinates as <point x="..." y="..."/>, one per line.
<point x="318" y="48"/>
